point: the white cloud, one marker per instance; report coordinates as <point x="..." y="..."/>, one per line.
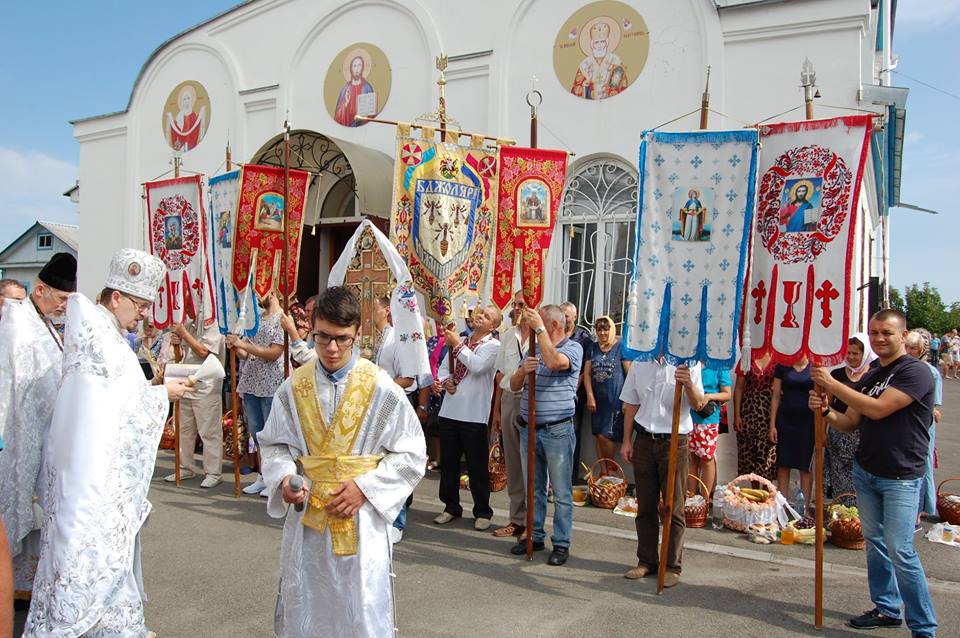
<point x="926" y="13"/>
<point x="31" y="189"/>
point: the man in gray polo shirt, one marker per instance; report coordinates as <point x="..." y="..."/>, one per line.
<point x="557" y="365"/>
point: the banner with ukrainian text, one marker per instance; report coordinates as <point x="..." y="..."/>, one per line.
<point x="696" y="202"/>
<point x="444" y="205"/>
<point x="258" y="237"/>
<point x="177" y="229"/>
<point x="531" y="185"/>
<point x="798" y="298"/>
<point x="223" y="193"/>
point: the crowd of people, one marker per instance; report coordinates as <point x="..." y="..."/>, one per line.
<point x="363" y="434"/>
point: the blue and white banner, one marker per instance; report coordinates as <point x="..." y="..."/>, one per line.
<point x="693" y="233"/>
<point x="224" y="192"/>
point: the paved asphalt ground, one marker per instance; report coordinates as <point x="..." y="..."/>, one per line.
<point x="210" y="567"/>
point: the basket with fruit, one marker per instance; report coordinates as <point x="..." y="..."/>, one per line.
<point x="804" y="530"/>
<point x="844" y="524"/>
<point x="745" y="505"/>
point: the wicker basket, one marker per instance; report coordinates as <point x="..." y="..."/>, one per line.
<point x="169" y="439"/>
<point x="948" y="510"/>
<point x="739" y="515"/>
<point x="696" y="515"/>
<point x="847" y="536"/>
<point x="497" y="466"/>
<point x="605" y="495"/>
<point x="227" y="423"/>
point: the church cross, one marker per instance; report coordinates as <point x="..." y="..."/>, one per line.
<point x="368" y="281"/>
<point x="759" y="293"/>
<point x="826" y="293"/>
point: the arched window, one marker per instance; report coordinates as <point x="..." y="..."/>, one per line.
<point x="597" y="237"/>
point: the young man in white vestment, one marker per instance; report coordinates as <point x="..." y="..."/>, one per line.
<point x="31" y="355"/>
<point x="345" y="426"/>
<point x="97" y="464"/>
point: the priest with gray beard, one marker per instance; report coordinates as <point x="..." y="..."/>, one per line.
<point x="98" y="461"/>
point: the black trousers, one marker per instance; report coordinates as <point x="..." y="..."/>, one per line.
<point x="458" y="438"/>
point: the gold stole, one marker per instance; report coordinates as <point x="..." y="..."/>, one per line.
<point x="330" y="462"/>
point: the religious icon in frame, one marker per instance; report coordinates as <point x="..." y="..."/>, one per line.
<point x="357" y="83"/>
<point x="186" y="116"/>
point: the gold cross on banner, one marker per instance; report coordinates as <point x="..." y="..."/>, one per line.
<point x="369" y="277"/>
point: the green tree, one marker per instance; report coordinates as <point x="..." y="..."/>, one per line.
<point x="925" y="308"/>
<point x="896" y="300"/>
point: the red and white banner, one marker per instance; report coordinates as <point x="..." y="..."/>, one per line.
<point x="531" y="183"/>
<point x="798" y="299"/>
<point x="178" y="238"/>
<point x="258" y="238"/>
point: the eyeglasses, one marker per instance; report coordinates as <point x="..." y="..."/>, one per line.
<point x="141" y="306"/>
<point x="323" y="339"/>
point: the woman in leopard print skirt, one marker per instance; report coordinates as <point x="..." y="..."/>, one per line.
<point x="752" y="395"/>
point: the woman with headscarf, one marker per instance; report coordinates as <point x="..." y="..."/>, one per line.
<point x="841" y="446"/>
<point x="604" y="370"/>
<point x="918" y="345"/>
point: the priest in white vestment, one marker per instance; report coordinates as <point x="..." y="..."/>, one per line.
<point x="97" y="464"/>
<point x="31" y="355"/>
<point x="361" y="449"/>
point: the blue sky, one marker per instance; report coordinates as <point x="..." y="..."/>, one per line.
<point x="81" y="58"/>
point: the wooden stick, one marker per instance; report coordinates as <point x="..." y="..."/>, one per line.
<point x="667" y="516"/>
<point x="531" y="443"/>
<point x="176" y="440"/>
<point x="235" y="407"/>
<point x="819" y="439"/>
<point x="284" y="279"/>
<point x="501" y="140"/>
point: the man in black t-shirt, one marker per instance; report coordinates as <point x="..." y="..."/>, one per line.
<point x="893" y="410"/>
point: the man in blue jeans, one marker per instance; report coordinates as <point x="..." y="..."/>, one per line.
<point x="893" y="410"/>
<point x="558" y="368"/>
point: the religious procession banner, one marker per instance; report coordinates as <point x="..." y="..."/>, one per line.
<point x="531" y="184"/>
<point x="696" y="203"/>
<point x="371" y="267"/>
<point x="444" y="203"/>
<point x="258" y="237"/>
<point x="224" y="191"/>
<point x="798" y="299"/>
<point x="177" y="229"/>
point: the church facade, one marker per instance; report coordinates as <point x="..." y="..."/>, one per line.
<point x="605" y="70"/>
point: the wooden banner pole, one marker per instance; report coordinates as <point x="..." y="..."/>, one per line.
<point x="285" y="268"/>
<point x="531" y="387"/>
<point x="819" y="437"/>
<point x="705" y="104"/>
<point x="667" y="515"/>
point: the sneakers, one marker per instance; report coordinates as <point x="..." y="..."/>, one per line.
<point x="510" y="530"/>
<point x="443" y="518"/>
<point x="558" y="556"/>
<point x="670" y="579"/>
<point x="210" y="481"/>
<point x="265" y="492"/>
<point x="481" y="524"/>
<point x="636" y="573"/>
<point x="184" y="475"/>
<point x="256" y="487"/>
<point x="521" y="547"/>
<point x="396" y="535"/>
<point x="874" y="619"/>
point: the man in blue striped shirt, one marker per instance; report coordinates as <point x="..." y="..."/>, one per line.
<point x="557" y="366"/>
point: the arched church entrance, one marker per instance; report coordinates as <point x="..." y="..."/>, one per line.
<point x="347" y="183"/>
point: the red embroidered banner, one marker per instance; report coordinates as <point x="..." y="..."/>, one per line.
<point x="797" y="303"/>
<point x="531" y="184"/>
<point x="177" y="231"/>
<point x="258" y="238"/>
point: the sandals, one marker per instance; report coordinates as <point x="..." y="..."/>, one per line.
<point x="510" y="530"/>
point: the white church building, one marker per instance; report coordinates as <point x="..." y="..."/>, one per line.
<point x="234" y="79"/>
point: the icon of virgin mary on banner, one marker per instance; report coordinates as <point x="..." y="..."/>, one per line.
<point x="444" y="203"/>
<point x="693" y="232"/>
<point x="798" y="297"/>
<point x="177" y="226"/>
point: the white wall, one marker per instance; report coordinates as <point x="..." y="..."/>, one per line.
<point x="253" y="80"/>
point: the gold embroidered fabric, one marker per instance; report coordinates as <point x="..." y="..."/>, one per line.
<point x="330" y="462"/>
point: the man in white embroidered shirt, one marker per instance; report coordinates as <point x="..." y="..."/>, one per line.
<point x="464" y="415"/>
<point x="647" y="397"/>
